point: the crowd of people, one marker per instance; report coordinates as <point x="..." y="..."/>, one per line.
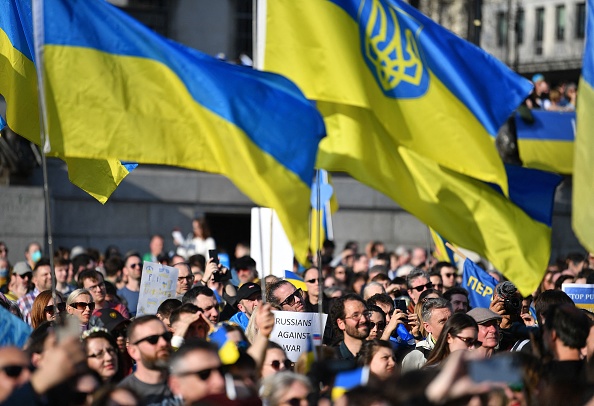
<point x="400" y="320"/>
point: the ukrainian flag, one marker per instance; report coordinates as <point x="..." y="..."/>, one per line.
<point x="295" y="280"/>
<point x="442" y="252"/>
<point x="583" y="186"/>
<point x="546" y="141"/>
<point x="158" y="102"/>
<point x="405" y="79"/>
<point x="321" y="227"/>
<point x="18" y="85"/>
<point x="228" y="352"/>
<point x="348" y="380"/>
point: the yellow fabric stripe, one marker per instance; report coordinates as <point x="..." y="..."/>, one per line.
<point x="18" y="85"/>
<point x="127" y="120"/>
<point x="583" y="186"/>
<point x="322" y="54"/>
<point x="461" y="209"/>
<point x="552" y="156"/>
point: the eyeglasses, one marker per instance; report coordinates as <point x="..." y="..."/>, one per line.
<point x="14" y="371"/>
<point x="101" y="354"/>
<point x="276" y="364"/>
<point x="380" y="325"/>
<point x="154" y="339"/>
<point x="99" y="286"/>
<point x="203" y="374"/>
<point x="26" y="275"/>
<point x="448" y="275"/>
<point x="138" y="265"/>
<point x="51" y="309"/>
<point x="188" y="278"/>
<point x="423" y="287"/>
<point x="83" y="305"/>
<point x="290" y="300"/>
<point x="357" y="316"/>
<point x="470" y="341"/>
<point x="311" y="281"/>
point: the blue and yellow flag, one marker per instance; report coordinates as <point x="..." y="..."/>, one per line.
<point x="18" y="85"/>
<point x="442" y="252"/>
<point x="400" y="76"/>
<point x="159" y="102"/>
<point x="547" y="141"/>
<point x="479" y="284"/>
<point x="295" y="280"/>
<point x="583" y="186"/>
<point x="321" y="227"/>
<point x="228" y="352"/>
<point x="348" y="380"/>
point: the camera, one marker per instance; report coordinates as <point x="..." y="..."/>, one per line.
<point x="511" y="302"/>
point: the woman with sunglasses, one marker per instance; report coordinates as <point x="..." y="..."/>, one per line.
<point x="379" y="357"/>
<point x="459" y="333"/>
<point x="43" y="308"/>
<point x="80" y="305"/>
<point x="275" y="360"/>
<point x="377" y="322"/>
<point x="102" y="354"/>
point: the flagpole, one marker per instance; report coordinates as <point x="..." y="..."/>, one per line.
<point x="38" y="41"/>
<point x="319" y="254"/>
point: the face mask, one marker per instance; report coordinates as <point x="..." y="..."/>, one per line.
<point x="36" y="256"/>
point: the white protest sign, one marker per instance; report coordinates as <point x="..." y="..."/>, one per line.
<point x="158" y="283"/>
<point x="291" y="331"/>
<point x="581" y="294"/>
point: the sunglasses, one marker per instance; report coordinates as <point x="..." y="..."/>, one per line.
<point x="138" y="265"/>
<point x="423" y="287"/>
<point x="14" y="371"/>
<point x="51" y="309"/>
<point x="290" y="300"/>
<point x="188" y="278"/>
<point x="470" y="342"/>
<point x="380" y="325"/>
<point x="204" y="374"/>
<point x="28" y="275"/>
<point x="437" y="286"/>
<point x="311" y="281"/>
<point x="277" y="364"/>
<point x="154" y="339"/>
<point x="101" y="354"/>
<point x="448" y="275"/>
<point x="83" y="305"/>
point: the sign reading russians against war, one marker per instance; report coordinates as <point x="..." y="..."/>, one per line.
<point x="292" y="329"/>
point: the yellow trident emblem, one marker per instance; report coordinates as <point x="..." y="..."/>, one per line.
<point x="384" y="48"/>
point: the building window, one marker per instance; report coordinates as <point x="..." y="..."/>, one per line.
<point x="560" y="22"/>
<point x="580" y="20"/>
<point x="501" y="28"/>
<point x="520" y="26"/>
<point x="244" y="27"/>
<point x="540" y="18"/>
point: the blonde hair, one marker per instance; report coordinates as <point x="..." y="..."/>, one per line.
<point x="76" y="293"/>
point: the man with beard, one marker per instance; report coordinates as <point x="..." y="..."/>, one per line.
<point x="150" y="346"/>
<point x="133" y="273"/>
<point x="351" y="318"/>
<point x="283" y="295"/>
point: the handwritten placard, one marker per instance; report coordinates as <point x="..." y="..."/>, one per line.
<point x="581" y="294"/>
<point x="158" y="283"/>
<point x="292" y="329"/>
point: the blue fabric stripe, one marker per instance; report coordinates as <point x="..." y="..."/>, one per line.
<point x="547" y="126"/>
<point x="2" y="123"/>
<point x="16" y="21"/>
<point x="588" y="65"/>
<point x="209" y="81"/>
<point x="532" y="190"/>
<point x="470" y="74"/>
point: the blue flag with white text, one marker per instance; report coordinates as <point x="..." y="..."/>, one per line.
<point x="479" y="284"/>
